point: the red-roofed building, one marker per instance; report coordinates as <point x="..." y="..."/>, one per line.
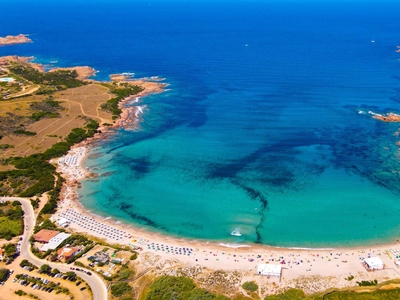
<point x="67" y="252"/>
<point x="45" y="235"/>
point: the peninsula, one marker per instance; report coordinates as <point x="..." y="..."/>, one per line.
<point x="14" y="39"/>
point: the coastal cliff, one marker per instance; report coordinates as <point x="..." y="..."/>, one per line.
<point x="12" y="40"/>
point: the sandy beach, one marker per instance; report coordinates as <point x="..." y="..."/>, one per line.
<point x="310" y="269"/>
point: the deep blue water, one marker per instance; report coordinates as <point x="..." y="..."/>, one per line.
<point x="260" y="129"/>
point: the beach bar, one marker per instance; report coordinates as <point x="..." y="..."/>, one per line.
<point x="374" y="263"/>
<point x="269" y="270"/>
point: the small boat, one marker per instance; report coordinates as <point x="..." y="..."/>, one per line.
<point x="236" y="232"/>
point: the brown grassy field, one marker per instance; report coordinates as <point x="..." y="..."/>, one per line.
<point x="80" y="104"/>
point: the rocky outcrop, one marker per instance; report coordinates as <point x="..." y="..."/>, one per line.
<point x="390" y="117"/>
<point x="12" y="40"/>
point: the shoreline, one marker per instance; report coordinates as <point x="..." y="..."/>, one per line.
<point x="299" y="262"/>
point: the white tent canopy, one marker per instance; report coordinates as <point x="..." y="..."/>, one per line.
<point x="374" y="263"/>
<point x="269" y="270"/>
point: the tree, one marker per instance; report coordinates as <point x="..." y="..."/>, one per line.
<point x="10" y="249"/>
<point x="70" y="274"/>
<point x="3" y="274"/>
<point x="45" y="268"/>
<point x="56" y="271"/>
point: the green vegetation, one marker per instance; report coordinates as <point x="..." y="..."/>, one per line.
<point x="35" y="203"/>
<point x="79" y="264"/>
<point x="24" y="132"/>
<point x="367" y="283"/>
<point x="376" y="295"/>
<point x="11" y="224"/>
<point x="5" y="146"/>
<point x="46" y="224"/>
<point x="179" y="288"/>
<point x="121" y="93"/>
<point x="120" y="289"/>
<point x="26" y="263"/>
<point x="20" y="293"/>
<point x="3" y="274"/>
<point x="125" y="273"/>
<point x="10" y="249"/>
<point x="54" y="81"/>
<point x="250" y="286"/>
<point x="70" y="274"/>
<point x="42" y="115"/>
<point x="290" y="294"/>
<point x="45" y="268"/>
<point x="10" y="228"/>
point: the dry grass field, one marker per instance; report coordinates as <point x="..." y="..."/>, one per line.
<point x="80" y="104"/>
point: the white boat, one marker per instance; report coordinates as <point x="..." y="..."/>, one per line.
<point x="236" y="232"/>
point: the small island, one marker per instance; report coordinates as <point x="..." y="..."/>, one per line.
<point x="14" y="39"/>
<point x="390" y="117"/>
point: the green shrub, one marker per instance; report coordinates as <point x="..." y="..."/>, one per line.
<point x="290" y="294"/>
<point x="367" y="283"/>
<point x="24" y="132"/>
<point x="20" y="293"/>
<point x="250" y="286"/>
<point x="120" y="289"/>
<point x="170" y="287"/>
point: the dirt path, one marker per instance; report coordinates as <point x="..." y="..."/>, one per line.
<point x="24" y="92"/>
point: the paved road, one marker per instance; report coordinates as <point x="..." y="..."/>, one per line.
<point x="98" y="287"/>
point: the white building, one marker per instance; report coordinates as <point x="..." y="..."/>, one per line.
<point x="63" y="222"/>
<point x="269" y="270"/>
<point x="55" y="241"/>
<point x="374" y="263"/>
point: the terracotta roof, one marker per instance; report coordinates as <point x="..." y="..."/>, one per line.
<point x="45" y="235"/>
<point x="66" y="251"/>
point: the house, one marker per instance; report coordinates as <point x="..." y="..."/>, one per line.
<point x="100" y="257"/>
<point x="45" y="235"/>
<point x="374" y="263"/>
<point x="67" y="252"/>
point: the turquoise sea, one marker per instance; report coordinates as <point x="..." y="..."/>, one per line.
<point x="264" y="127"/>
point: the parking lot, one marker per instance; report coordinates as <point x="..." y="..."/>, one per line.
<point x="40" y="284"/>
